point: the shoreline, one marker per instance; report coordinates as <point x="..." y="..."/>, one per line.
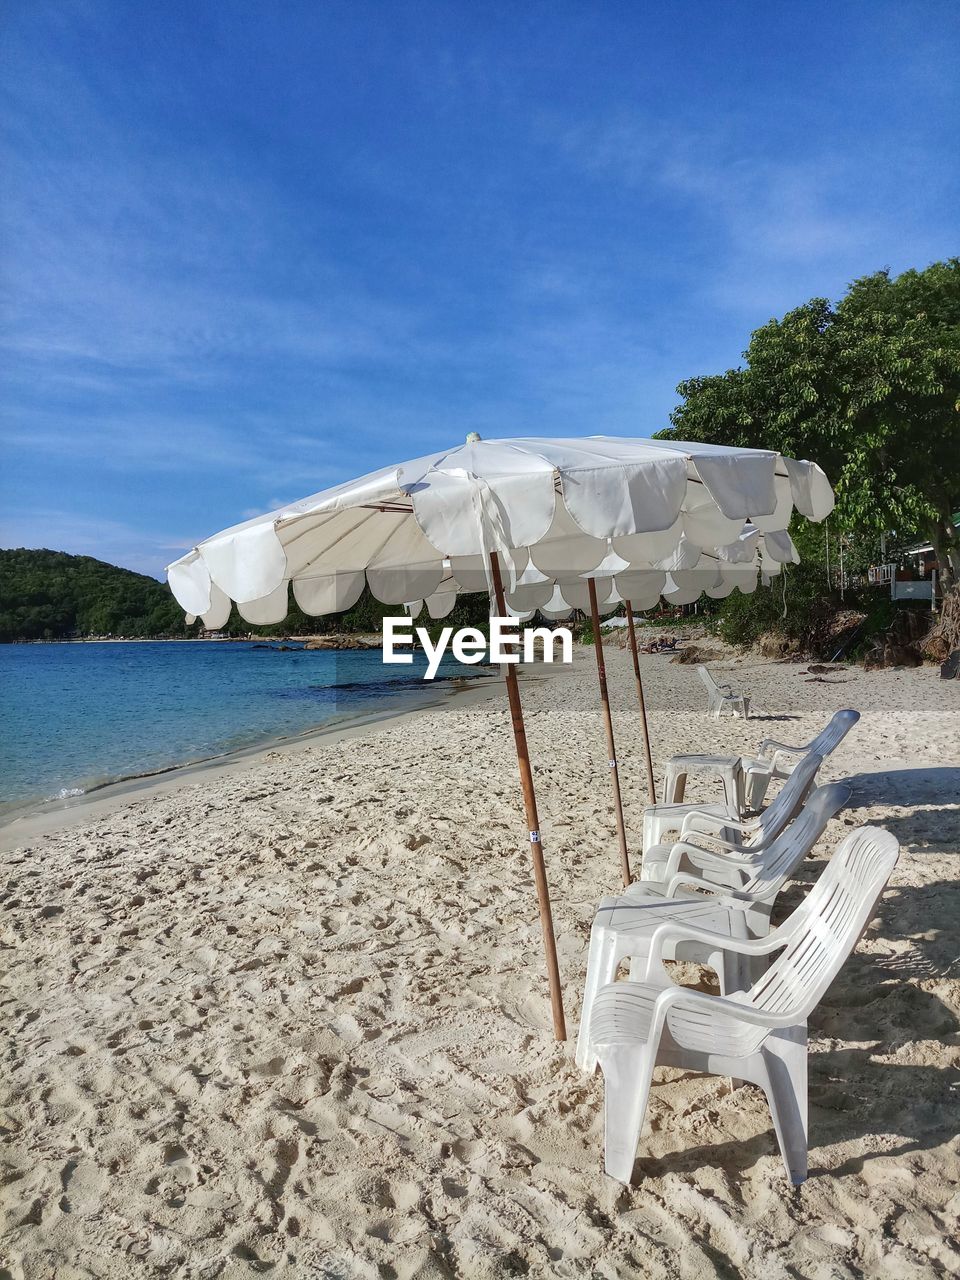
<point x="59" y="813"/>
<point x="250" y="639"/>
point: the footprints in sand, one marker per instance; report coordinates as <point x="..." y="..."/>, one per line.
<point x="82" y="1185"/>
<point x="177" y="1174"/>
<point x="295" y="1023"/>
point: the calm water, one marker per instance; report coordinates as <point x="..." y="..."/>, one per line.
<point x="73" y="716"/>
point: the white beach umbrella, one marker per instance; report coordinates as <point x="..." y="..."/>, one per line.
<point x="542" y="511"/>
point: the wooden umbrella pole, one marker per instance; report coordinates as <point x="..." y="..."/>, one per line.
<point x="533" y="821"/>
<point x="651" y="788"/>
<point x="608" y="726"/>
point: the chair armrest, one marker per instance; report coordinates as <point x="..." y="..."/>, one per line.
<point x="728" y="855"/>
<point x="680" y="931"/>
<point x="684" y="931"/>
<point x="717" y="843"/>
<point x="771" y="744"/>
<point x="705" y="860"/>
<point x="672" y="996"/>
<point x="699" y="822"/>
<point x="687" y="880"/>
<point x="723" y="892"/>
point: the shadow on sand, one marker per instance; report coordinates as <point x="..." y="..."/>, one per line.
<point x="933" y="827"/>
<point x="927" y="785"/>
<point x="891" y="1109"/>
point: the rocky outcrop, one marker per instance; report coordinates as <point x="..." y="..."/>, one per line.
<point x="344" y="642"/>
<point x="943" y="640"/>
<point x="773" y="645"/>
<point x="899" y="645"/>
<point x="694" y="653"/>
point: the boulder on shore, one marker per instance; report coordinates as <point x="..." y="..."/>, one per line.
<point x="773" y="645"/>
<point x="341" y="641"/>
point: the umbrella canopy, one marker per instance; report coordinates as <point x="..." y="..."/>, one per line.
<point x="575" y="523"/>
<point x="639" y="515"/>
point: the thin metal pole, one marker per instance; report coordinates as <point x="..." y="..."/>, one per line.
<point x="842" y="577"/>
<point x="631" y="633"/>
<point x="608" y="726"/>
<point x="533" y="821"/>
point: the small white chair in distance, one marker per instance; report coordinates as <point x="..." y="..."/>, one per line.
<point x="721" y="697"/>
<point x="758" y="1035"/>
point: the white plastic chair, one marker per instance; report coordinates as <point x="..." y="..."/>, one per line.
<point x="774" y="760"/>
<point x="777" y="760"/>
<point x="735" y="903"/>
<point x="715" y="825"/>
<point x="758" y="1035"/>
<point x="718" y="836"/>
<point x="721" y="697"/>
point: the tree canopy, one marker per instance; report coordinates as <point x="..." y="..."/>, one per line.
<point x="869" y="388"/>
<point x="50" y="595"/>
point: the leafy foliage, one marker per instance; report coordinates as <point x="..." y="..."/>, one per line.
<point x="795" y="605"/>
<point x="803" y="609"/>
<point x="49" y="595"/>
<point x="869" y="389"/>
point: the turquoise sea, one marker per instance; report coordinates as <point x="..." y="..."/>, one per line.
<point x="76" y="716"/>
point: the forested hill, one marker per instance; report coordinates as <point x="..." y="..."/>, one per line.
<point x="49" y="595"/>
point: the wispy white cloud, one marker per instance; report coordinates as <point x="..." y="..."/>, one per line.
<point x="147" y="441"/>
<point x="776" y="228"/>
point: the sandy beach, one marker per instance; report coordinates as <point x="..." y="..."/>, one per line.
<point x="291" y="1018"/>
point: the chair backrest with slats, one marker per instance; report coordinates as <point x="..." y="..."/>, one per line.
<point x="830" y="738"/>
<point x="792" y="845"/>
<point x="712" y="687"/>
<point x="791" y="797"/>
<point x="826" y="928"/>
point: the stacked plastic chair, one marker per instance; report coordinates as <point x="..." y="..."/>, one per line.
<point x="758" y="1034"/>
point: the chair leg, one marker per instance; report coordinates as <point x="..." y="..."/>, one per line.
<point x="785" y="1057"/>
<point x="752" y="970"/>
<point x="627" y="1076"/>
<point x="675" y="784"/>
<point x="730" y="789"/>
<point x="727" y="965"/>
<point x="740" y="786"/>
<point x="758" y="781"/>
<point x="601" y="969"/>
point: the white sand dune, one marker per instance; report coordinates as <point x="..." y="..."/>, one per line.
<point x="294" y="1020"/>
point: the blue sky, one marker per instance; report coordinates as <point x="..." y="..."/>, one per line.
<point x="253" y="249"/>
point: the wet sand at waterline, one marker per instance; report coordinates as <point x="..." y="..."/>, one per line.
<point x="293" y="1019"/>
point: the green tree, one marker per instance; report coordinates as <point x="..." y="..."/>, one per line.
<point x="869" y="389"/>
<point x="49" y="595"/>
